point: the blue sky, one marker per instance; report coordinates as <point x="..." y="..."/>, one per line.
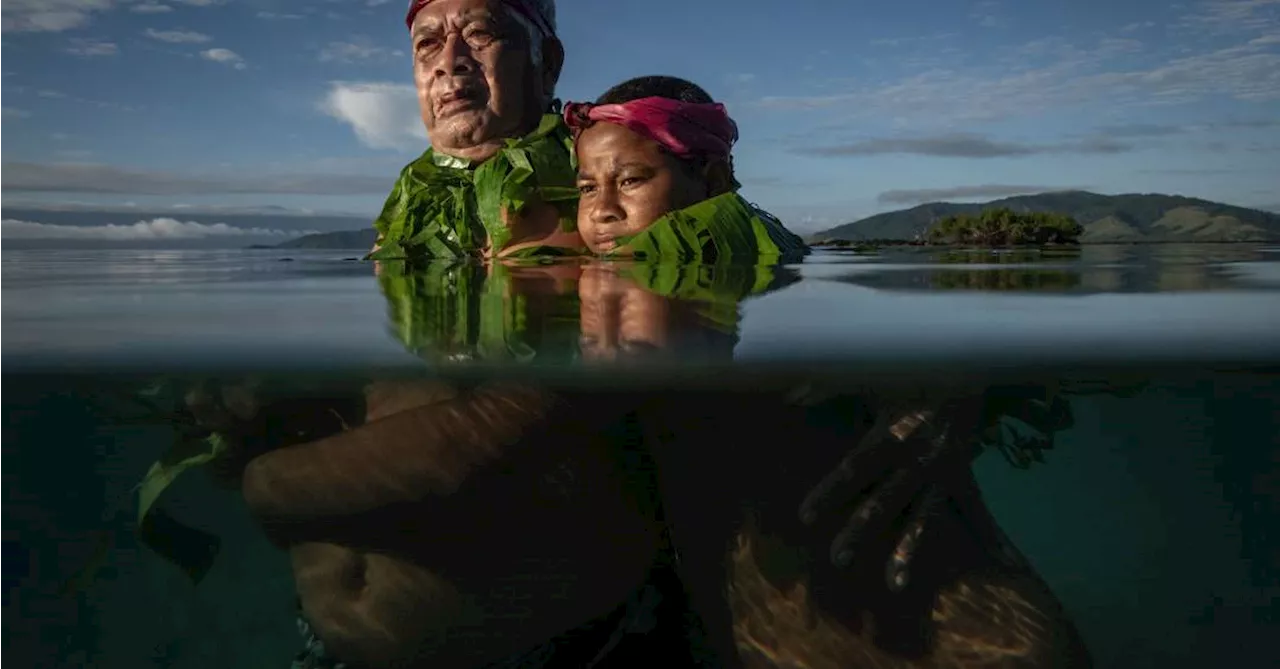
<point x="846" y="108"/>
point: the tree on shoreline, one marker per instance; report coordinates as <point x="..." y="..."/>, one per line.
<point x="1005" y="227"/>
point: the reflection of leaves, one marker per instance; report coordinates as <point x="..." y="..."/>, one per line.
<point x="715" y="291"/>
<point x="448" y="311"/>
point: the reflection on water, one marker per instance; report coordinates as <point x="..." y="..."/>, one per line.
<point x="1084" y="269"/>
<point x="1146" y="512"/>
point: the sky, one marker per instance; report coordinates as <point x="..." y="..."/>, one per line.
<point x="846" y="107"/>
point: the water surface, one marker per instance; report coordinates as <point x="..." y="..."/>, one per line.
<point x="1152" y="519"/>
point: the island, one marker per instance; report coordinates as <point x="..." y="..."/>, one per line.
<point x="1134" y="218"/>
<point x="1005" y="227"/>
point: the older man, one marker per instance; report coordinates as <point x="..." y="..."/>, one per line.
<point x="459" y="527"/>
<point x="486" y="73"/>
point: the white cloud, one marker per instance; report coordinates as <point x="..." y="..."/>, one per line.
<point x="1250" y="70"/>
<point x="224" y="56"/>
<point x="350" y="52"/>
<point x="154" y="229"/>
<point x="92" y="47"/>
<point x="1232" y="16"/>
<point x="60" y="15"/>
<point x="277" y="16"/>
<point x="13" y="113"/>
<point x="99" y="178"/>
<point x="383" y="115"/>
<point x="49" y="15"/>
<point x="178" y="36"/>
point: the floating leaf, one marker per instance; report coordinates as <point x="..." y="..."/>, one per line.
<point x="185" y="455"/>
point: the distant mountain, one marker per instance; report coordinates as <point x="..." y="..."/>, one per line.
<point x="82" y="227"/>
<point x="1106" y="218"/>
<point x="344" y="239"/>
<point x="262" y="217"/>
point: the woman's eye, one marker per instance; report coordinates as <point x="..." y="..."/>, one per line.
<point x="583" y="189"/>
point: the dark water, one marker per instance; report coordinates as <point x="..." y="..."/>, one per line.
<point x="1153" y="518"/>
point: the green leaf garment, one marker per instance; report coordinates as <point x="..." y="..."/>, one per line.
<point x="722" y="229"/>
<point x="442" y="207"/>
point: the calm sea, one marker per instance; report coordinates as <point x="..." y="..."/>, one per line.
<point x="1154" y="518"/>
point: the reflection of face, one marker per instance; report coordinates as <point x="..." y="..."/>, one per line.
<point x="474" y="75"/>
<point x="620" y="319"/>
<point x="627" y="182"/>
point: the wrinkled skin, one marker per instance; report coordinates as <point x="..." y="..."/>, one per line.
<point x="475" y="78"/>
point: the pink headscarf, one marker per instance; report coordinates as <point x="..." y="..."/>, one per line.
<point x="541" y="13"/>
<point x="686" y="129"/>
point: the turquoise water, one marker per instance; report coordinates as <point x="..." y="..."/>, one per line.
<point x="1152" y="518"/>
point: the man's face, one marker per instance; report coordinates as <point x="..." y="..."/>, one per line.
<point x="475" y="80"/>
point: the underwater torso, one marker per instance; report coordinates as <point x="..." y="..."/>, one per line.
<point x="459" y="577"/>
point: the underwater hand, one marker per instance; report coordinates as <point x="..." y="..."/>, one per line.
<point x="225" y="408"/>
<point x="250" y="418"/>
<point x="896" y="478"/>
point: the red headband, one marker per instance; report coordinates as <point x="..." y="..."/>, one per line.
<point x="686" y="129"/>
<point x="525" y="8"/>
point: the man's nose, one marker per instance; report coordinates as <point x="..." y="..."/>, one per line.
<point x="606" y="208"/>
<point x="455" y="58"/>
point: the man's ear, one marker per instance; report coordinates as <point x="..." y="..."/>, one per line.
<point x="552" y="63"/>
<point x="719" y="177"/>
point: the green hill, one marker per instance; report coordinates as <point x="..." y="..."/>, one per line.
<point x="1106" y="218"/>
<point x="346" y="239"/>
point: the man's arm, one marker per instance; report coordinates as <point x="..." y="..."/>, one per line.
<point x="394" y="459"/>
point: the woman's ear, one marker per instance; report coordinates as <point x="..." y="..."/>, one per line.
<point x="719" y="177"/>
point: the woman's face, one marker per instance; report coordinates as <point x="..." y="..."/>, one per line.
<point x="627" y="182"/>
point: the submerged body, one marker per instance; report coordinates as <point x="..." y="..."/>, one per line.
<point x="469" y="527"/>
<point x="771" y="598"/>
